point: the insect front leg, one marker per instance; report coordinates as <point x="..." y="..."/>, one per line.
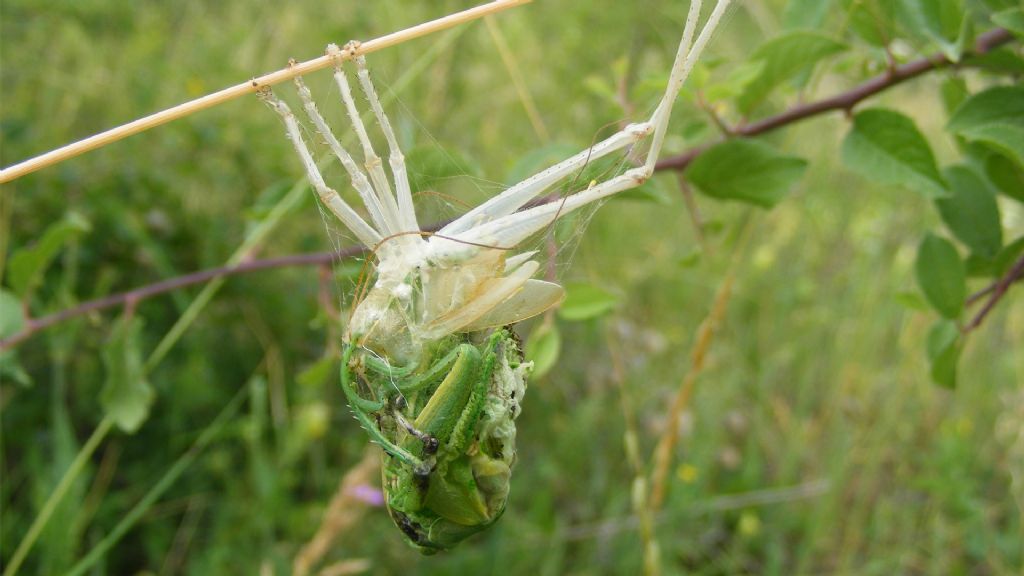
<point x="364" y="410"/>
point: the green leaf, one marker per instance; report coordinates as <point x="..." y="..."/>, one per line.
<point x="1007" y="176"/>
<point x="316" y="373"/>
<point x="873" y="21"/>
<point x="886" y="146"/>
<point x="28" y="264"/>
<point x="428" y="165"/>
<point x="543" y="346"/>
<point x="11" y="370"/>
<point x="943" y="345"/>
<point x="1012" y="20"/>
<point x="12" y="314"/>
<point x="735" y="83"/>
<point x="971" y="212"/>
<point x="911" y="300"/>
<point x="126" y="396"/>
<point x="994" y="117"/>
<point x="941" y="21"/>
<point x="1002" y="61"/>
<point x="785" y="57"/>
<point x="1007" y="256"/>
<point x="584" y="301"/>
<point x="746" y="170"/>
<point x="941" y="275"/>
<point x="994" y="266"/>
<point x="954" y="92"/>
<point x="807" y="14"/>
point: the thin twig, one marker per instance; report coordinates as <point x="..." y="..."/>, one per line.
<point x="210" y="100"/>
<point x="845" y="101"/>
<point x="998" y="290"/>
<point x="662" y="456"/>
<point x="33" y="325"/>
<point x="667" y="443"/>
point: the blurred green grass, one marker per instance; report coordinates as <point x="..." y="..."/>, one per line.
<point x="817" y="381"/>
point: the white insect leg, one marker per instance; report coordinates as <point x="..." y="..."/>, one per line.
<point x="517" y="196"/>
<point x="686" y="57"/>
<point x="372" y="161"/>
<point x="511" y="229"/>
<point x="406" y="211"/>
<point x="328" y="195"/>
<point x="359" y="181"/>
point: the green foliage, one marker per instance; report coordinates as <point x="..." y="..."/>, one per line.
<point x="944" y="346"/>
<point x="543" y="347"/>
<point x="28" y="264"/>
<point x="1012" y="19"/>
<point x="126" y="396"/>
<point x="971" y="212"/>
<point x="886" y="146"/>
<point x="746" y="170"/>
<point x="584" y="301"/>
<point x="783" y="58"/>
<point x="12" y="317"/>
<point x="818" y="380"/>
<point x="941" y="275"/>
<point x="944" y="22"/>
<point x="1007" y="176"/>
<point x="994" y="117"/>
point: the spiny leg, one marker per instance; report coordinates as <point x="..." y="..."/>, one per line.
<point x="686" y="58"/>
<point x="359" y="181"/>
<point x="483" y="223"/>
<point x="356" y="402"/>
<point x="517" y="196"/>
<point x="371" y="160"/>
<point x="406" y="211"/>
<point x="328" y="195"/>
<point x="514" y="228"/>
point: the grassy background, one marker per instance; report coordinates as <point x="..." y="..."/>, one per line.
<point x="815" y="442"/>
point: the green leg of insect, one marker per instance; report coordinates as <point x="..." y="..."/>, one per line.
<point x="443" y="479"/>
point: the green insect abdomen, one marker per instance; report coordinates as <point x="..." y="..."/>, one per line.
<point x="448" y="446"/>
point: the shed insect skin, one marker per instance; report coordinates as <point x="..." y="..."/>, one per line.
<point x="430" y="365"/>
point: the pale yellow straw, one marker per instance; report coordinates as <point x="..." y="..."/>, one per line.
<point x="298" y="69"/>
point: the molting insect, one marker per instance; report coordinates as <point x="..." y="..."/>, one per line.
<point x="429" y="367"/>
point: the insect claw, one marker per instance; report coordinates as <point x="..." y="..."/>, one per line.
<point x="430" y="445"/>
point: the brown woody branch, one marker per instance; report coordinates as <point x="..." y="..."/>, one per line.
<point x="995" y="293"/>
<point x="845" y="101"/>
<point x="132" y="297"/>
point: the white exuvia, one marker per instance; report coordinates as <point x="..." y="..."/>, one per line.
<point x="462" y="278"/>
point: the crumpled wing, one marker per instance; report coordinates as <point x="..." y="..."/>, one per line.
<point x="535" y="297"/>
<point x="491" y="293"/>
